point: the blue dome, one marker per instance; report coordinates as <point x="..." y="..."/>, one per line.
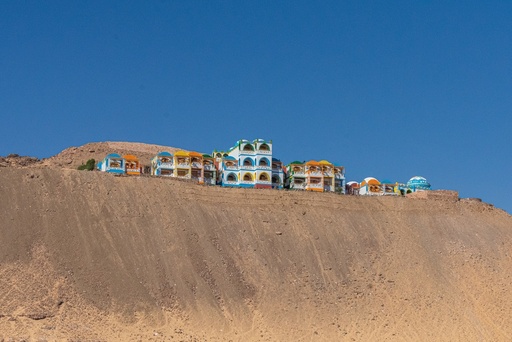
<point x="418" y="182"/>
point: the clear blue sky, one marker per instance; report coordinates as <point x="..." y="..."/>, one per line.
<point x="388" y="89"/>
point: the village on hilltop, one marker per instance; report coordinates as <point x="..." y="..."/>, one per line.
<point x="250" y="164"/>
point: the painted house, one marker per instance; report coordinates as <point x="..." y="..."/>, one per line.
<point x="247" y="164"/>
<point x="182" y="167"/>
<point x="278" y="174"/>
<point x="132" y="165"/>
<point x="112" y="163"/>
<point x="196" y="167"/>
<point x="352" y="188"/>
<point x="163" y="165"/>
<point x="320" y="176"/>
<point x="370" y="186"/>
<point x="209" y="170"/>
<point x="296" y="175"/>
<point x="339" y="179"/>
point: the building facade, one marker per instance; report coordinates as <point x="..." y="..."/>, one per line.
<point x="112" y="163"/>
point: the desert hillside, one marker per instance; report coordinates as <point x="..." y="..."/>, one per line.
<point x="72" y="157"/>
<point x="87" y="256"/>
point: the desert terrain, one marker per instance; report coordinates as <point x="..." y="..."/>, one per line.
<point x="88" y="256"/>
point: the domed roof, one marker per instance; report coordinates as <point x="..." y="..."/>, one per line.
<point x="418" y="182"/>
<point x="370" y="180"/>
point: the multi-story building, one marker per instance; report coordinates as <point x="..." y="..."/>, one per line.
<point x="247" y="164"/>
<point x="163" y="165"/>
<point x="278" y="174"/>
<point x="321" y="176"/>
<point x="296" y="175"/>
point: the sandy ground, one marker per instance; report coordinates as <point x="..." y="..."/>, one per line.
<point x="87" y="256"/>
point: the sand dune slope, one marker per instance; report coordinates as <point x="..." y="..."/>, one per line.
<point x="87" y="256"/>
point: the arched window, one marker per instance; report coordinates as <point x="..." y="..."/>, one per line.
<point x="263" y="162"/>
<point x="275" y="179"/>
<point x="264" y="147"/>
<point x="247" y="177"/>
<point x="248" y="147"/>
<point x="247" y="162"/>
<point x="231" y="177"/>
<point x="264" y="177"/>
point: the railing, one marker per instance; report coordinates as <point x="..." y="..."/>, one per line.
<point x="314" y="186"/>
<point x="197" y="179"/>
<point x="263" y="182"/>
<point x="264" y="167"/>
<point x="250" y="153"/>
<point x="185" y="165"/>
<point x="246" y="182"/>
<point x="264" y="152"/>
<point x="132" y="170"/>
<point x="230" y="182"/>
<point x="197" y="165"/>
<point x="298" y="186"/>
<point x="246" y="167"/>
<point x="230" y="167"/>
<point x="328" y="173"/>
<point x="298" y="173"/>
<point x="209" y="167"/>
<point x="115" y="168"/>
<point x="315" y="173"/>
<point x="166" y="165"/>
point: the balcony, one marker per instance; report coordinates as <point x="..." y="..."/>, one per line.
<point x="197" y="165"/>
<point x="209" y="167"/>
<point x="166" y="165"/>
<point x="315" y="173"/>
<point x="328" y="174"/>
<point x="184" y="165"/>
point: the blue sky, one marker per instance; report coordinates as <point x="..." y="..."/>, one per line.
<point x="390" y="90"/>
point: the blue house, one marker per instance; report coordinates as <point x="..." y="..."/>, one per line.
<point x="112" y="163"/>
<point x="162" y="164"/>
<point x="248" y="164"/>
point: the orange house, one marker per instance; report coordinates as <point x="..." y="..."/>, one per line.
<point x="132" y="165"/>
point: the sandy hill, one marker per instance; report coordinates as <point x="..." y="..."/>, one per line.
<point x="86" y="256"/>
<point x="73" y="157"/>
